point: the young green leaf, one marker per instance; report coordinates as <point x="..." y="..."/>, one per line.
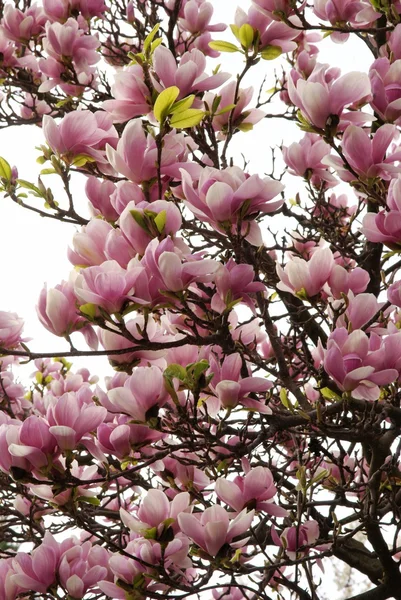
<point x="164" y="103"/>
<point x="222" y="46"/>
<point x="271" y="52"/>
<point x="188" y="118"/>
<point x="246" y="35"/>
<point x="5" y="169"/>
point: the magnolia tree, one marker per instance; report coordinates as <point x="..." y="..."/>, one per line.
<point x="250" y="434"/>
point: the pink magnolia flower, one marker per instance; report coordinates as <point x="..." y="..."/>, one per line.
<point x="60" y="10"/>
<point x="235" y="283"/>
<point x="242" y="117"/>
<point x="89" y="244"/>
<point x="322" y="104"/>
<point x="79" y="132"/>
<point x="21" y="26"/>
<point x="71" y="418"/>
<point x="142" y="393"/>
<point x="126" y="192"/>
<point x="57" y="309"/>
<point x="306" y="278"/>
<point x="195" y="17"/>
<point x="394" y="293"/>
<point x="154" y="510"/>
<point x="340" y="12"/>
<point x="386" y="89"/>
<point x="225" y="198"/>
<point x="359" y="364"/>
<point x="173" y="269"/>
<point x="385" y="226"/>
<point x="136" y="154"/>
<point x="28" y="446"/>
<point x="366" y="155"/>
<point x="360" y="309"/>
<point x="139" y="223"/>
<point x="11" y="326"/>
<point x="231" y="389"/>
<point x="295" y="540"/>
<point x="33" y="107"/>
<point x="99" y="192"/>
<point x="137" y="329"/>
<point x="274" y="34"/>
<point x="132" y="95"/>
<point x="342" y="281"/>
<point x="255" y="490"/>
<point x="212" y="529"/>
<point x="189" y="76"/>
<point x="82" y="567"/>
<point x="107" y="286"/>
<point x="122" y="439"/>
<point x="304" y="159"/>
<point x="274" y="8"/>
<point x="37" y="571"/>
<point x="393" y="44"/>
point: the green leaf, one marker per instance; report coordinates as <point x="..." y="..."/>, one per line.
<point x="245" y="127"/>
<point x="140" y="219"/>
<point x="222" y="46"/>
<point x="88" y="309"/>
<point x="188" y="118"/>
<point x="81" y="159"/>
<point x="155" y="44"/>
<point x="246" y="35"/>
<point x="5" y="169"/>
<point x="47" y="171"/>
<point x="329" y="394"/>
<point x="160" y="221"/>
<point x="271" y="52"/>
<point x="149" y="39"/>
<point x="28" y="186"/>
<point x="89" y="500"/>
<point x="235" y="30"/>
<point x="164" y="102"/>
<point x="226" y="109"/>
<point x="182" y="105"/>
<point x="175" y="371"/>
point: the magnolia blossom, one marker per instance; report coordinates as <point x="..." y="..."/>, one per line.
<point x="195" y="17"/>
<point x="306" y="278"/>
<point x="132" y="96"/>
<point x="211" y="529"/>
<point x="272" y="34"/>
<point x="189" y="76"/>
<point x="154" y="510"/>
<point x="107" y="286"/>
<point x="136" y="154"/>
<point x="79" y="132"/>
<point x="228" y="197"/>
<point x="255" y="490"/>
<point x="241" y="116"/>
<point x="385" y="226"/>
<point x="304" y="158"/>
<point x="359" y="364"/>
<point x="332" y="97"/>
<point x="11" y="326"/>
<point x="339" y="12"/>
<point x="296" y="539"/>
<point x="386" y="91"/>
<point x="365" y="155"/>
<point x="142" y="393"/>
<point x="71" y="418"/>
